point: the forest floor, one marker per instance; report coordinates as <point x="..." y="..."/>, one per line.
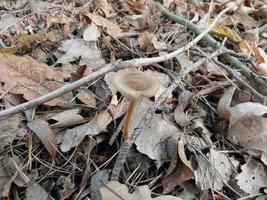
<point x="137" y="99"/>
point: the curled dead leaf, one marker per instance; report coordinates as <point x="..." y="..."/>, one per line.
<point x="120" y="191"/>
<point x="8" y="130"/>
<point x="233" y="114"/>
<point x="44" y="133"/>
<point x="111" y="28"/>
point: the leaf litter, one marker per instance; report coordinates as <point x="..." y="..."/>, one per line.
<point x="206" y="140"/>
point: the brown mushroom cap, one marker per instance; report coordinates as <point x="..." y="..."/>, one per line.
<point x="135" y="83"/>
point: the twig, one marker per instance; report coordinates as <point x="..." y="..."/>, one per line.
<point x="117" y="65"/>
<point x="262" y="85"/>
<point x="235" y="75"/>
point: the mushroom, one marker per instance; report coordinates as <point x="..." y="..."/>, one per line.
<point x="134" y="84"/>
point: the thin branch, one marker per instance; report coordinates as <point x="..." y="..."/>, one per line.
<point x="262" y="85"/>
<point x="117" y="65"/>
<point x="235" y="75"/>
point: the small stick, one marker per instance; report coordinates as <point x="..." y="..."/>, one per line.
<point x="236" y="63"/>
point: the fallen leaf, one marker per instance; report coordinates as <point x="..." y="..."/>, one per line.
<point x="39" y="5"/>
<point x="252" y="177"/>
<point x="120" y="191"/>
<point x="23" y="75"/>
<point x="213" y="172"/>
<point x="44" y="133"/>
<point x="152" y="140"/>
<point x="108" y="79"/>
<point x="111" y="28"/>
<point x="182" y="172"/>
<point x="98" y="179"/>
<point x="261" y="57"/>
<point x="68" y="187"/>
<point x="148" y="42"/>
<point x="4" y="179"/>
<point x="225" y="31"/>
<point x="77" y="48"/>
<point x="98" y="124"/>
<point x="241" y="15"/>
<point x="180" y="116"/>
<point x="11" y="165"/>
<point x="87" y="98"/>
<point x="35" y="192"/>
<point x="67" y="118"/>
<point x="250" y="131"/>
<point x="261" y="12"/>
<point x="233" y="114"/>
<point x="8" y="129"/>
<point x="183" y="60"/>
<point x="60" y="20"/>
<point x="104" y="6"/>
<point x="91" y="33"/>
<point x="6" y="20"/>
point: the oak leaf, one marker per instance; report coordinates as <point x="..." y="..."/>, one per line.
<point x="24" y="75"/>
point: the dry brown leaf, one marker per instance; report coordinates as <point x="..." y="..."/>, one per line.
<point x="250" y="131"/>
<point x="86" y="51"/>
<point x="133" y="6"/>
<point x="87" y="98"/>
<point x="241" y="15"/>
<point x="180" y="116"/>
<point x="11" y="165"/>
<point x="67" y="118"/>
<point x="183" y="59"/>
<point x="6" y="20"/>
<point x="182" y="172"/>
<point x="39" y="5"/>
<point x="68" y="187"/>
<point x="23" y="40"/>
<point x="61" y="20"/>
<point x="111" y="28"/>
<point x="23" y="75"/>
<point x="233" y="114"/>
<point x="207" y="176"/>
<point x="120" y="191"/>
<point x="73" y="137"/>
<point x="104" y="6"/>
<point x="148" y="42"/>
<point x="4" y="179"/>
<point x="44" y="133"/>
<point x="57" y="19"/>
<point x="261" y="57"/>
<point x="261" y="12"/>
<point x="252" y="177"/>
<point x="8" y="129"/>
<point x="150" y="141"/>
<point x="225" y="31"/>
<point x="35" y="192"/>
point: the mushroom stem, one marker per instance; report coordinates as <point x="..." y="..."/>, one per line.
<point x="128" y="118"/>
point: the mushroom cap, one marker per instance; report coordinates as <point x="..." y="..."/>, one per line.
<point x="135" y="83"/>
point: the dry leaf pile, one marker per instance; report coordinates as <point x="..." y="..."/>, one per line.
<point x="206" y="140"/>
